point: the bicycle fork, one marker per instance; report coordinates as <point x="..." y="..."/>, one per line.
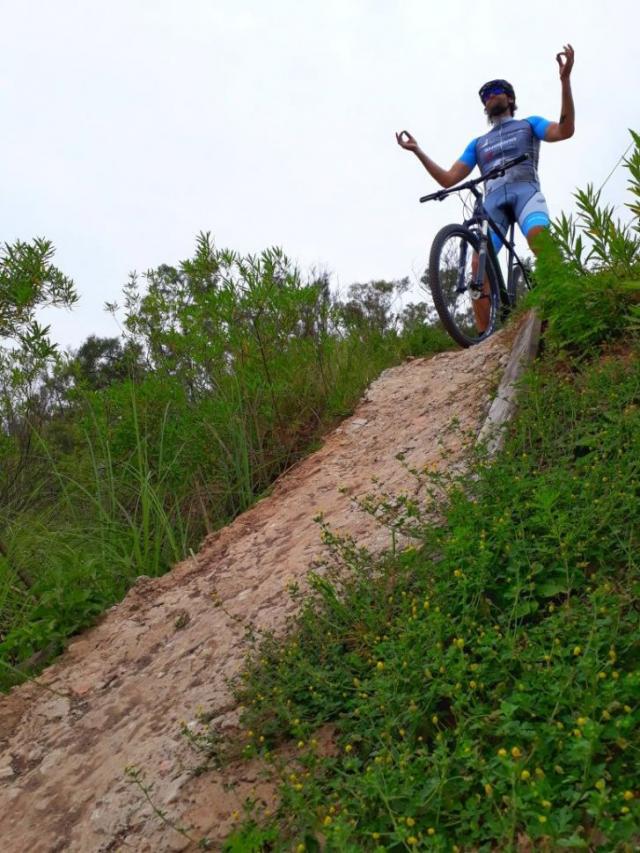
<point x="477" y="283"/>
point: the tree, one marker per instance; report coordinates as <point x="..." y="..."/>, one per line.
<point x="29" y="281"/>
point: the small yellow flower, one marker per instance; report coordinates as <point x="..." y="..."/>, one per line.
<point x="615" y="675"/>
<point x="375" y="835"/>
<point x="380" y="665"/>
<point x="348" y="748"/>
<point x="472" y="685"/>
<point x="410" y="821"/>
<point x="539" y="772"/>
<point x="502" y="752"/>
<point x="327" y="821"/>
<point x="300" y="744"/>
<point x="515" y="751"/>
<point x="602" y="675"/>
<point x="300" y="848"/>
<point x="412" y="840"/>
<point x="582" y="721"/>
<point x="606" y="715"/>
<point x="457" y="573"/>
<point x="525" y="775"/>
<point x="577" y="650"/>
<point x="628" y="795"/>
<point x="546" y="804"/>
<point x="601" y="784"/>
<point x="627" y="709"/>
<point x="624" y="810"/>
<point x="488" y="789"/>
<point x="434" y="719"/>
<point x="431" y="831"/>
<point x="542" y="818"/>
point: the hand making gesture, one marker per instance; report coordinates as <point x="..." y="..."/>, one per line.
<point x="406" y="141"/>
<point x="567" y="65"/>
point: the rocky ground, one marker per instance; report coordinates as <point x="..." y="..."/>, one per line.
<point x="117" y="697"/>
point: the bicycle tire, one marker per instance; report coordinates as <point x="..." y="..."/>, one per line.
<point x="449" y="275"/>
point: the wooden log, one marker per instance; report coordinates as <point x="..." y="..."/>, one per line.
<point x="523" y="351"/>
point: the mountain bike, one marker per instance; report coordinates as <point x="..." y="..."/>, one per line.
<point x="457" y="279"/>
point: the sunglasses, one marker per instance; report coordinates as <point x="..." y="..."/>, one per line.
<point x="491" y="91"/>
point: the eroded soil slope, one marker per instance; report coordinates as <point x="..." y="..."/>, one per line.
<point x="123" y="687"/>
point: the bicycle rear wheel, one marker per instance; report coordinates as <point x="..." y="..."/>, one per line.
<point x="450" y="276"/>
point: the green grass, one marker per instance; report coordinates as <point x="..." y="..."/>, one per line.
<point x="484" y="686"/>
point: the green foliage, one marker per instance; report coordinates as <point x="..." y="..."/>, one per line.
<point x="588" y="271"/>
<point x="117" y="459"/>
<point x="28" y="281"/>
<point x="483" y="688"/>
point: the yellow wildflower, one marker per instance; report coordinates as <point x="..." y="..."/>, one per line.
<point x="515" y="751"/>
<point x="525" y="775"/>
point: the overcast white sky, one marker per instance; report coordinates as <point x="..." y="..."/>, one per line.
<point x="131" y="125"/>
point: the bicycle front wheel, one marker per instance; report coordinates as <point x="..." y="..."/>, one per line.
<point x="466" y="319"/>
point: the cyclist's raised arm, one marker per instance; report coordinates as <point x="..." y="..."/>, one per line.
<point x="445" y="177"/>
<point x="564" y="129"/>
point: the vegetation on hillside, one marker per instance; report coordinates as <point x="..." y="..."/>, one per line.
<point x="483" y="685"/>
<point x="116" y="459"/>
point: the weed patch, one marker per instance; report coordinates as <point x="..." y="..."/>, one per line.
<point x="483" y="686"/>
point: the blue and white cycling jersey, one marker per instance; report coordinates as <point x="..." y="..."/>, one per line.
<point x="516" y="195"/>
<point x="507" y="139"/>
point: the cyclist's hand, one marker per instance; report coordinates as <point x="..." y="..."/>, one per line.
<point x="406" y="141"/>
<point x="567" y="65"/>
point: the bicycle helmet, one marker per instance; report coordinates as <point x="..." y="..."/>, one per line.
<point x="502" y="85"/>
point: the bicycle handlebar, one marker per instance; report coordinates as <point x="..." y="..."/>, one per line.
<point x="495" y="173"/>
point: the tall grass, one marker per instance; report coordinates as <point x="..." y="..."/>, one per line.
<point x="130" y="473"/>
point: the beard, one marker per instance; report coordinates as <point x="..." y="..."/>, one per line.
<point x="498" y="110"/>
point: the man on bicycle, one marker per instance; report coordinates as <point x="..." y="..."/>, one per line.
<point x="516" y="196"/>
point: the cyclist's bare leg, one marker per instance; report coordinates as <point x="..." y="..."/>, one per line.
<point x="481" y="306"/>
<point x="531" y="237"/>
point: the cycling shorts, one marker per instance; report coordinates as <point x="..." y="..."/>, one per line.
<point x="520" y="202"/>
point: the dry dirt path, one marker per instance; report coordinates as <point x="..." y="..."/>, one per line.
<point x="127" y="683"/>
